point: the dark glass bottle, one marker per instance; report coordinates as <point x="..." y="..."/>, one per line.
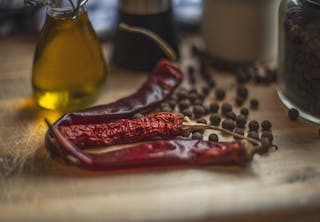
<point x="135" y="51"/>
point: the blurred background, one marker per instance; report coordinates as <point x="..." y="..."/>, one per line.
<point x="15" y="18"/>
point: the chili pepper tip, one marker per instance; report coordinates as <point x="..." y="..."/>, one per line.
<point x="70" y="147"/>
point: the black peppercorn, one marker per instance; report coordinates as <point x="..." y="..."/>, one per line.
<point x="228" y="124"/>
<point x="244" y="111"/>
<point x="238" y="131"/>
<point x="182" y="94"/>
<point x="193" y="96"/>
<point x="198" y="111"/>
<point x="184" y="104"/>
<point x="254" y="104"/>
<point x="231" y="115"/>
<point x="213" y="137"/>
<point x="225" y="108"/>
<point x="267" y="134"/>
<point x="214" y="107"/>
<point x="242" y="92"/>
<point x="197" y="136"/>
<point x="239" y="101"/>
<point x="241" y="121"/>
<point x="253" y="135"/>
<point x="253" y="125"/>
<point x="215" y="119"/>
<point x="293" y="114"/>
<point x="197" y="102"/>
<point x="266" y="125"/>
<point x="220" y="94"/>
<point x="187" y="112"/>
<point x="202" y="120"/>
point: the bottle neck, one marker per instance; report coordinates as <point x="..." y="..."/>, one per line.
<point x="65" y="12"/>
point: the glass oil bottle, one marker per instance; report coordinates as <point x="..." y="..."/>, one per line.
<point x="68" y="68"/>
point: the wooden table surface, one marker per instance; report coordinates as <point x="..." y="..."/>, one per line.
<point x="282" y="186"/>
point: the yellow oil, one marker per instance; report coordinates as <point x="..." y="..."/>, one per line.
<point x="69" y="68"/>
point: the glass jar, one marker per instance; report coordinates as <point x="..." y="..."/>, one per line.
<point x="299" y="57"/>
<point x="68" y="68"/>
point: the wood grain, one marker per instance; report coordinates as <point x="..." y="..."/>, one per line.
<point x="282" y="186"/>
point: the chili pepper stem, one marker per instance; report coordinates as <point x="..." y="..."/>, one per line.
<point x="189" y="126"/>
<point x="154" y="37"/>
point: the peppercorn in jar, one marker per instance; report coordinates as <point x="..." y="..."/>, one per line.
<point x="299" y="57"/>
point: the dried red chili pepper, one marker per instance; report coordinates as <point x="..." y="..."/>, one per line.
<point x="160" y="85"/>
<point x="165" y="125"/>
<point x="159" y="153"/>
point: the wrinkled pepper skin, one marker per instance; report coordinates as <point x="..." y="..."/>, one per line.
<point x="125" y="131"/>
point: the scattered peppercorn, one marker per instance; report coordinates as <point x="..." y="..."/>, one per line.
<point x="254" y="104"/>
<point x="228" y="124"/>
<point x="253" y="125"/>
<point x="220" y="94"/>
<point x="197" y="136"/>
<point x="215" y="119"/>
<point x="214" y="107"/>
<point x="239" y="101"/>
<point x="231" y="115"/>
<point x="193" y="96"/>
<point x="253" y="135"/>
<point x="293" y="114"/>
<point x="244" y="111"/>
<point x="202" y="120"/>
<point x="242" y="92"/>
<point x="241" y="121"/>
<point x="198" y="111"/>
<point x="187" y="112"/>
<point x="238" y="131"/>
<point x="182" y="94"/>
<point x="267" y="134"/>
<point x="266" y="125"/>
<point x="213" y="137"/>
<point x="225" y="108"/>
<point x="184" y="104"/>
<point x="197" y="102"/>
<point x="138" y="116"/>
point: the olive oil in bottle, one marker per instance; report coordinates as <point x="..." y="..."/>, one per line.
<point x="69" y="69"/>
